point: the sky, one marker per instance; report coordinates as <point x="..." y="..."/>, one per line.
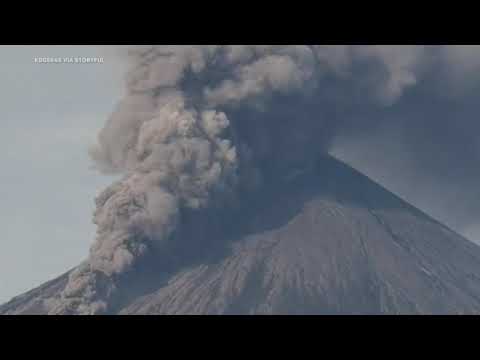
<point x="50" y="114"/>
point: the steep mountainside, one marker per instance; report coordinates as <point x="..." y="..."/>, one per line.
<point x="323" y="241"/>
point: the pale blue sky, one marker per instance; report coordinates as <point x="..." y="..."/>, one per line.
<point x="49" y="115"/>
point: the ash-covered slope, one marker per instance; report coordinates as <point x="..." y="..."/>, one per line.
<point x="326" y="241"/>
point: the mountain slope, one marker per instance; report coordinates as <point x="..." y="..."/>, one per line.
<point x="323" y="241"/>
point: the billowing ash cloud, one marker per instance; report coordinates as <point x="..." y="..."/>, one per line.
<point x="200" y="123"/>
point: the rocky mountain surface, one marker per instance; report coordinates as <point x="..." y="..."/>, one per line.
<point x="327" y="240"/>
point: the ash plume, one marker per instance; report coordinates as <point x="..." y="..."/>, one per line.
<point x="201" y="123"/>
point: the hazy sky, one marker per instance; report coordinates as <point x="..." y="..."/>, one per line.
<point x="50" y="113"/>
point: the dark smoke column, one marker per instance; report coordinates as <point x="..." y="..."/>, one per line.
<point x="171" y="139"/>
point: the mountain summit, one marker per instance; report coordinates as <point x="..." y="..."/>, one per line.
<point x="326" y="240"/>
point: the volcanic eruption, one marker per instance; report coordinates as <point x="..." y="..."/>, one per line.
<point x="229" y="201"/>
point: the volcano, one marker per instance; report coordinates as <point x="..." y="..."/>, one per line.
<point x="324" y="240"/>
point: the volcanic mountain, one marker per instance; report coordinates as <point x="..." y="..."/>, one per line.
<point x="325" y="240"/>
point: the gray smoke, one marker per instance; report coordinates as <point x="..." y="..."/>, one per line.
<point x="426" y="146"/>
<point x="199" y="123"/>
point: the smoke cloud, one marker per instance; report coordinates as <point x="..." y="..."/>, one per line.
<point x="200" y="123"/>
